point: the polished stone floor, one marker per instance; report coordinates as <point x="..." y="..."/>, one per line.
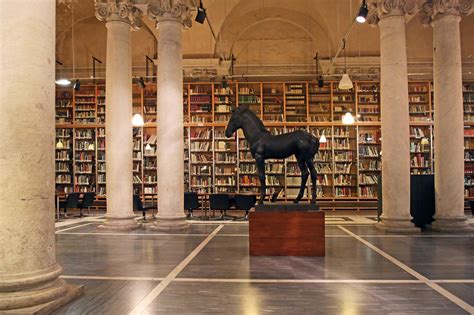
<point x="207" y="270"/>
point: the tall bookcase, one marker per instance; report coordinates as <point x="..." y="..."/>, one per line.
<point x="348" y="163"/>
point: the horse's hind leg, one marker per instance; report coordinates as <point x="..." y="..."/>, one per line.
<point x="304" y="178"/>
<point x="314" y="174"/>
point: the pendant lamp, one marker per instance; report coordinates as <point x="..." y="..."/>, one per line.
<point x="345" y="83"/>
<point x="323" y="139"/>
<point x="348" y="119"/>
<point x="137" y="120"/>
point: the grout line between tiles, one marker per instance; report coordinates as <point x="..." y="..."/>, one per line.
<point x="153" y="294"/>
<point x="453" y="298"/>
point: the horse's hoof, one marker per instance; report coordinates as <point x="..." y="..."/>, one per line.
<point x="260" y="202"/>
<point x="296" y="201"/>
<point x="313" y="202"/>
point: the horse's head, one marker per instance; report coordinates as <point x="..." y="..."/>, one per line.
<point x="236" y="120"/>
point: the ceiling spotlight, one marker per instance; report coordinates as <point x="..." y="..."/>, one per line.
<point x="141" y="83"/>
<point x="363" y="11"/>
<point x="201" y="14"/>
<point x="63" y="82"/>
<point x="77" y="85"/>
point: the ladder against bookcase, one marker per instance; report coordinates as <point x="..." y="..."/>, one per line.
<point x="64" y="158"/>
<point x="319" y="102"/>
<point x="295" y="102"/>
<point x="273" y="102"/>
<point x="250" y="94"/>
<point x="149" y="160"/>
<point x="200" y="100"/>
<point x="225" y="162"/>
<point x="370" y="165"/>
<point x="324" y="162"/>
<point x="137" y="134"/>
<point x="85" y="160"/>
<point x="225" y="97"/>
<point x="85" y="105"/>
<point x="64" y="107"/>
<point x="201" y="159"/>
<point x="101" y="169"/>
<point x="468" y="100"/>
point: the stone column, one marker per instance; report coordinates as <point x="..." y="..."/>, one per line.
<point x="448" y="108"/>
<point x="119" y="17"/>
<point x="29" y="274"/>
<point x="170" y="16"/>
<point x="390" y="16"/>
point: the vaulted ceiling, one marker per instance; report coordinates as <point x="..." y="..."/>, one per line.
<point x="261" y="34"/>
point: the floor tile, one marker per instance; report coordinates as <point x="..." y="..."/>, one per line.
<point x="260" y="298"/>
<point x="435" y="258"/>
<point x="107" y="296"/>
<point x="464" y="291"/>
<point x="114" y="255"/>
<point x="346" y="258"/>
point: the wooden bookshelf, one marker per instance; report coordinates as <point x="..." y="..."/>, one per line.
<point x="468" y="99"/>
<point x="348" y="164"/>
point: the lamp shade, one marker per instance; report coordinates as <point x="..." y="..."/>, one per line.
<point x="348" y="119"/>
<point x="345" y="83"/>
<point x="148" y="147"/>
<point x="424" y="141"/>
<point x="362" y="16"/>
<point x="323" y="139"/>
<point x="59" y="145"/>
<point x="137" y="120"/>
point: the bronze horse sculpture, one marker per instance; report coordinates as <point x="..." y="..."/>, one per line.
<point x="264" y="145"/>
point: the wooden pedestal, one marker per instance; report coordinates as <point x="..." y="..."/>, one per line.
<point x="286" y="233"/>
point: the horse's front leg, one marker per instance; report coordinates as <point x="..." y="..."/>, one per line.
<point x="304" y="179"/>
<point x="261" y="176"/>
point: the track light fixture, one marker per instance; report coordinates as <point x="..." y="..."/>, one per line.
<point x="141" y="83"/>
<point x="77" y="85"/>
<point x="201" y="14"/>
<point x="363" y="11"/>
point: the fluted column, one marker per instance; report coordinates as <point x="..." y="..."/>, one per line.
<point x="170" y="16"/>
<point x="120" y="16"/>
<point x="444" y="16"/>
<point x="390" y="17"/>
<point x="29" y="274"/>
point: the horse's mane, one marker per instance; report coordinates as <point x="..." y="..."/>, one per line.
<point x="255" y="120"/>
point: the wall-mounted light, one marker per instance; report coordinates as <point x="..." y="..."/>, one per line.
<point x="348" y="119"/>
<point x="63" y="82"/>
<point x="137" y="120"/>
<point x="148" y="147"/>
<point x="363" y="11"/>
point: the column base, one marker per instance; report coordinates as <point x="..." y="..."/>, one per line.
<point x="397" y="225"/>
<point x="71" y="292"/>
<point x="170" y="224"/>
<point x="452" y="224"/>
<point x="120" y="224"/>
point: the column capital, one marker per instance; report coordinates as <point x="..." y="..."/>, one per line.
<point x="118" y="10"/>
<point x="174" y="10"/>
<point x="436" y="9"/>
<point x="379" y="9"/>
